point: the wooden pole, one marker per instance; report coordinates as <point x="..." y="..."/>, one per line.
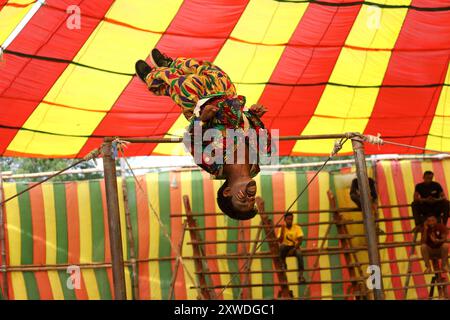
<point x="366" y="205"/>
<point x="180" y="139"/>
<point x="129" y="228"/>
<point x="115" y="236"/>
<point x="4" y="286"/>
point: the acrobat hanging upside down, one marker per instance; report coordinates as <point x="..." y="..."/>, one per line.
<point x="208" y="100"/>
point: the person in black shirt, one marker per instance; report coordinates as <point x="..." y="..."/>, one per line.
<point x="429" y="198"/>
<point x="355" y="196"/>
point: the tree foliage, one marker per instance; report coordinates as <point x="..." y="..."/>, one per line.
<point x="34" y="165"/>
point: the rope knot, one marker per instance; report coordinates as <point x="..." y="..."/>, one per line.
<point x="376" y="140"/>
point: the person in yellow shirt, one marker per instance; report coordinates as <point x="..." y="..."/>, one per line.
<point x="290" y="237"/>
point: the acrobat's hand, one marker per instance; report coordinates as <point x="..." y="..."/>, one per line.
<point x="258" y="109"/>
<point x="209" y="112"/>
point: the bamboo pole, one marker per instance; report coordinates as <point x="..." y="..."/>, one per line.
<point x="4" y="287"/>
<point x="115" y="237"/>
<point x="129" y="228"/>
<point x="324" y="211"/>
<point x="180" y="139"/>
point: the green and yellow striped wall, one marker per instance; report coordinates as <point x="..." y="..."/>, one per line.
<point x="62" y="224"/>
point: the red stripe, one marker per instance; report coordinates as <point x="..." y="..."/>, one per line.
<point x="107" y="246"/>
<point x="290" y="108"/>
<point x="413" y="108"/>
<point x="387" y="213"/>
<point x="407" y="225"/>
<point x="209" y="200"/>
<point x="176" y="230"/>
<point x="313" y="232"/>
<point x="25" y="82"/>
<point x="39" y="242"/>
<point x="144" y="238"/>
<point x="188" y="35"/>
<point x="73" y="234"/>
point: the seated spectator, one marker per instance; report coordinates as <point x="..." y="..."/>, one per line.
<point x="356" y="198"/>
<point x="290" y="237"/>
<point x="433" y="243"/>
<point x="429" y="198"/>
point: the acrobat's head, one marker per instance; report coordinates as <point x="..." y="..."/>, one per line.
<point x="238" y="200"/>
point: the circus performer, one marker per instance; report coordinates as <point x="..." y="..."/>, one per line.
<point x="209" y="102"/>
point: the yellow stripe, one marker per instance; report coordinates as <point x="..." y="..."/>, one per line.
<point x="263" y="21"/>
<point x="441" y="121"/>
<point x="123" y="231"/>
<point x="50" y="243"/>
<point x="84" y="211"/>
<point x="154" y="272"/>
<point x="14" y="240"/>
<point x="111" y="47"/>
<point x="355" y="67"/>
<point x="10" y="17"/>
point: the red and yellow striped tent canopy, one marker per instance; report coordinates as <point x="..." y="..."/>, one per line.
<point x="329" y="66"/>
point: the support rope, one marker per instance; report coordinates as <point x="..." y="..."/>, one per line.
<point x="120" y="144"/>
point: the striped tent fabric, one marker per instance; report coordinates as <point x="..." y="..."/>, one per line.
<point x="59" y="225"/>
<point x="331" y="66"/>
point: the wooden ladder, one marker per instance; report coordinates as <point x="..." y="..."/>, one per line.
<point x="358" y="288"/>
<point x="201" y="266"/>
<point x="271" y="238"/>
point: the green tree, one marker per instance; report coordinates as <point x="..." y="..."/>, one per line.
<point x="35" y="165"/>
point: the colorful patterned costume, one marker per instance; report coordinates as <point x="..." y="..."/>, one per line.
<point x="191" y="83"/>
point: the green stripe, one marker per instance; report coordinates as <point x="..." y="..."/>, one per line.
<point x="266" y="263"/>
<point x="302" y="204"/>
<point x="26" y="238"/>
<point x="335" y="261"/>
<point x="98" y="239"/>
<point x="165" y="267"/>
<point x="62" y="244"/>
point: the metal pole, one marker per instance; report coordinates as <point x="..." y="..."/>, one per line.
<point x="115" y="236"/>
<point x="2" y="241"/>
<point x="369" y="221"/>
